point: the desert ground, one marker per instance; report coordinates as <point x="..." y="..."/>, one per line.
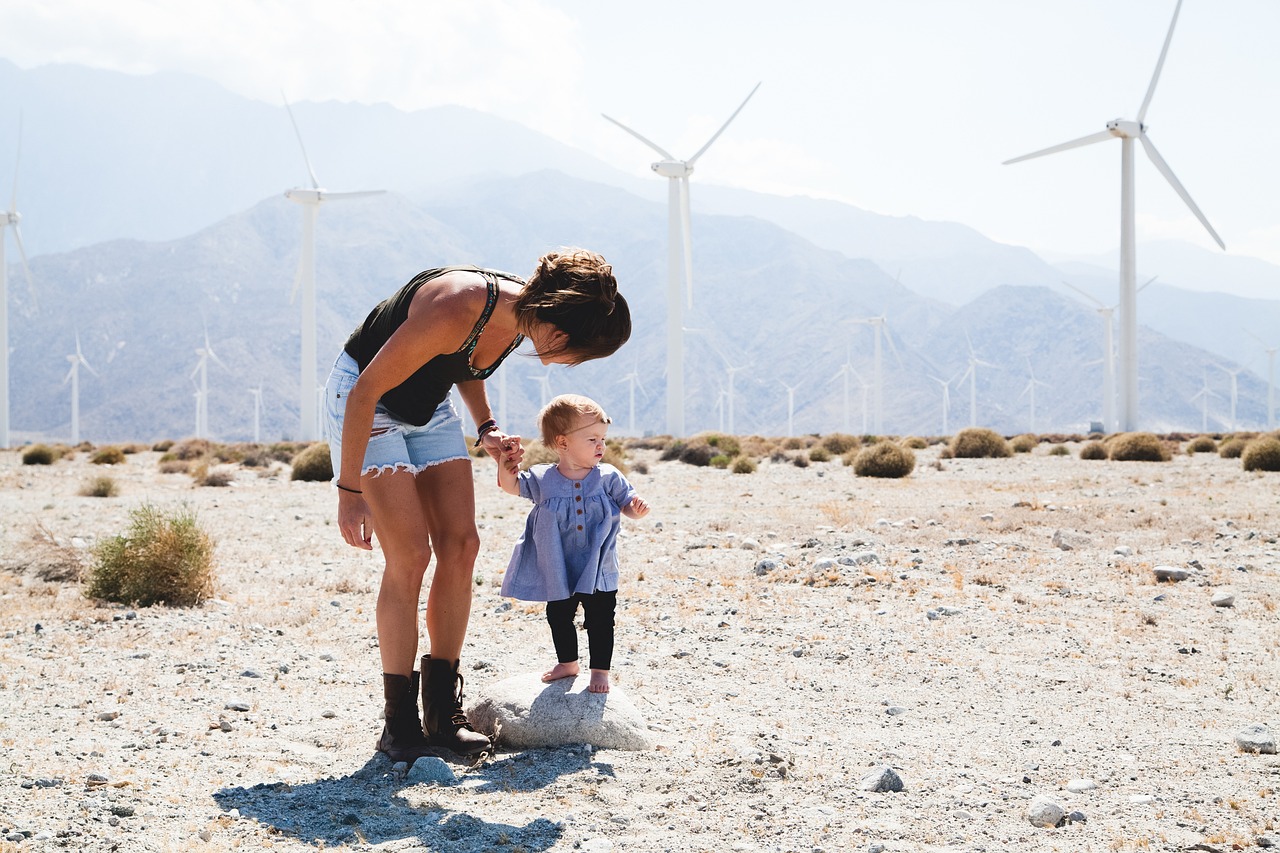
<point x="991" y="629"/>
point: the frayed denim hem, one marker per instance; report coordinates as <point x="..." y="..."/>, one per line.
<point x="415" y="470"/>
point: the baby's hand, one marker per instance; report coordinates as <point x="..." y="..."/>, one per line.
<point x="638" y="508"/>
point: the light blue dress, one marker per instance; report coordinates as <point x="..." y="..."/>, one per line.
<point x="569" y="544"/>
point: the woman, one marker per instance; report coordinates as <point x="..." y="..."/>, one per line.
<point x="402" y="466"/>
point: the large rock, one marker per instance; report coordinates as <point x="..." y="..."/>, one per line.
<point x="527" y="713"/>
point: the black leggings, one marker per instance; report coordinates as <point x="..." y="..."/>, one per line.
<point x="597" y="618"/>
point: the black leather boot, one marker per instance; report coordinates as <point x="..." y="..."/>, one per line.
<point x="402" y="738"/>
<point x="443" y="720"/>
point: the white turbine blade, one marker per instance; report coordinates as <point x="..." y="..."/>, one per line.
<point x="315" y="185"/>
<point x="199" y="364"/>
<point x="70" y="372"/>
<point x="1100" y="136"/>
<point x="22" y="253"/>
<point x="1144" y="284"/>
<point x="1086" y="295"/>
<point x="703" y="149"/>
<point x="652" y="145"/>
<point x="89" y="366"/>
<point x="17" y="160"/>
<point x="686" y="231"/>
<point x="1155" y="78"/>
<point x="888" y="336"/>
<point x="1178" y="187"/>
<point x="328" y="196"/>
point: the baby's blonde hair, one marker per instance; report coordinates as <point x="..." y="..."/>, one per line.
<point x="560" y="416"/>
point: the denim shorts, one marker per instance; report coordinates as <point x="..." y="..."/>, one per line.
<point x="393" y="444"/>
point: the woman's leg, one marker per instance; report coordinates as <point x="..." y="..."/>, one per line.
<point x="447" y="498"/>
<point x="403" y="535"/>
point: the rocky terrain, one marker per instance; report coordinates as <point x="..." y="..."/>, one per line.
<point x="991" y="631"/>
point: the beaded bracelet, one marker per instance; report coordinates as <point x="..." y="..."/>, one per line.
<point x="485" y="428"/>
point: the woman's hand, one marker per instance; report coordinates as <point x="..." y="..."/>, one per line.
<point x="355" y="521"/>
<point x="503" y="447"/>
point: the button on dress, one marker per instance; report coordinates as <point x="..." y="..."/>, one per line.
<point x="569" y="544"/>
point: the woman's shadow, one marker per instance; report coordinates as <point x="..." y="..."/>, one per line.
<point x="367" y="805"/>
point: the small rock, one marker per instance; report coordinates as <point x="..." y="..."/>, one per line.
<point x="1268" y="840"/>
<point x="236" y="706"/>
<point x="882" y="779"/>
<point x="122" y="811"/>
<point x="894" y="710"/>
<point x="949" y="611"/>
<point x="204" y="835"/>
<point x="1171" y="574"/>
<point x="430" y="769"/>
<point x="1256" y="738"/>
<point x="763" y="567"/>
<point x="1068" y="541"/>
<point x="327" y="714"/>
<point x="1142" y="799"/>
<point x="875" y="847"/>
<point x="1123" y="551"/>
<point x="1079" y="786"/>
<point x="107" y="716"/>
<point x="1077" y="817"/>
<point x="1223" y="599"/>
<point x="250" y="673"/>
<point x="1045" y="812"/>
<point x="862" y="558"/>
<point x="749" y="545"/>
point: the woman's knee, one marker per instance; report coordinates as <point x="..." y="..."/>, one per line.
<point x="408" y="561"/>
<point x="457" y="549"/>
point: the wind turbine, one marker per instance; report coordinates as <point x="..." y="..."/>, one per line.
<point x="881" y="331"/>
<point x="1235" y="391"/>
<point x="1271" y="379"/>
<point x="202" y="370"/>
<point x="847" y="370"/>
<point x="1108" y="354"/>
<point x="791" y="406"/>
<point x="1031" y="390"/>
<point x="7" y="218"/>
<point x="545" y="382"/>
<point x="972" y="374"/>
<point x="633" y="381"/>
<point x="73" y="376"/>
<point x="679" y="249"/>
<point x="946" y="401"/>
<point x="1203" y="396"/>
<point x="1127" y="131"/>
<point x="310" y="198"/>
<point x="257" y="413"/>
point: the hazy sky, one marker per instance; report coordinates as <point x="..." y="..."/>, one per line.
<point x="904" y="107"/>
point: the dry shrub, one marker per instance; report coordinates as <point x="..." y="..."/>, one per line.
<point x="1059" y="450"/>
<point x="915" y="442"/>
<point x="819" y="454"/>
<point x="133" y="447"/>
<point x="720" y="461"/>
<point x="649" y="442"/>
<point x="163" y="446"/>
<point x="726" y="444"/>
<point x="284" y="451"/>
<point x="537" y="453"/>
<point x="697" y="452"/>
<point x="38" y="454"/>
<point x="884" y="459"/>
<point x="671" y="450"/>
<point x="1094" y="450"/>
<point x="615" y="454"/>
<point x="979" y="443"/>
<point x="1138" y="447"/>
<point x="174" y="466"/>
<point x="1201" y="444"/>
<point x="45" y="558"/>
<point x="1232" y="448"/>
<point x="313" y="464"/>
<point x="164" y="558"/>
<point x="215" y="478"/>
<point x="793" y="443"/>
<point x="840" y="443"/>
<point x="190" y="448"/>
<point x="744" y="465"/>
<point x="800" y="460"/>
<point x="256" y="456"/>
<point x="100" y="487"/>
<point x="107" y="456"/>
<point x="1262" y="454"/>
<point x="1024" y="443"/>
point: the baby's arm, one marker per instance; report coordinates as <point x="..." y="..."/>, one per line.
<point x="509" y="470"/>
<point x="638" y="507"/>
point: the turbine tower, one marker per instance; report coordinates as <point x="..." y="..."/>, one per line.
<point x="1271" y="379"/>
<point x="846" y="371"/>
<point x="972" y="374"/>
<point x="310" y="199"/>
<point x="946" y="401"/>
<point x="73" y="376"/>
<point x="1235" y="391"/>
<point x="679" y="253"/>
<point x="202" y="389"/>
<point x="1030" y="389"/>
<point x="633" y="381"/>
<point x="880" y="330"/>
<point x="1203" y="396"/>
<point x="791" y="406"/>
<point x="7" y="218"/>
<point x="1108" y="354"/>
<point x="1127" y="131"/>
<point x="257" y="413"/>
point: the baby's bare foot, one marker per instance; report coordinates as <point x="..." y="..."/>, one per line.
<point x="599" y="681"/>
<point x="561" y="670"/>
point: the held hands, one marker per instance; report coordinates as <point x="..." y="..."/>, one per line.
<point x="355" y="521"/>
<point x="506" y="449"/>
<point x="637" y="508"/>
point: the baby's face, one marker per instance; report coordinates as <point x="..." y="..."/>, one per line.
<point x="583" y="446"/>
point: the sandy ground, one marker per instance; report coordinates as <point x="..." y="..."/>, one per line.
<point x="785" y="633"/>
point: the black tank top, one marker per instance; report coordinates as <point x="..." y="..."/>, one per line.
<point x="415" y="400"/>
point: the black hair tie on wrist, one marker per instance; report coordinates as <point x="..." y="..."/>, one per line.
<point x="484" y="429"/>
<point x="345" y="489"/>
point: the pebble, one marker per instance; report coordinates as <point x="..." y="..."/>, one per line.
<point x="1256" y="738"/>
<point x="1173" y="574"/>
<point x="861" y="558"/>
<point x="1123" y="551"/>
<point x="327" y="714"/>
<point x="1142" y="799"/>
<point x="986" y="516"/>
<point x="749" y="545"/>
<point x="430" y="769"/>
<point x="882" y="779"/>
<point x="122" y="811"/>
<point x="763" y="567"/>
<point x="107" y="716"/>
<point x="1079" y="786"/>
<point x="1268" y="840"/>
<point x="1045" y="812"/>
<point x="1077" y="817"/>
<point x="825" y="565"/>
<point x="895" y="710"/>
<point x="1223" y="599"/>
<point x="236" y="706"/>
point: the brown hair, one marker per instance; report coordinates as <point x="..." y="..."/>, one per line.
<point x="559" y="417"/>
<point x="575" y="291"/>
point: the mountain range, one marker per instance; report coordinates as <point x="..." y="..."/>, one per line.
<point x="153" y="210"/>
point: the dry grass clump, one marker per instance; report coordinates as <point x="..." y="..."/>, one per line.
<point x="979" y="443"/>
<point x="840" y="443"/>
<point x="818" y="453"/>
<point x="1024" y="443"/>
<point x="45" y="558"/>
<point x="164" y="445"/>
<point x="1094" y="450"/>
<point x="190" y="448"/>
<point x="133" y="447"/>
<point x="313" y="464"/>
<point x="884" y="459"/>
<point x="38" y="454"/>
<point x="1138" y="447"/>
<point x="1262" y="454"/>
<point x="164" y="558"/>
<point x="1201" y="444"/>
<point x="744" y="465"/>
<point x="915" y="442"/>
<point x="1059" y="450"/>
<point x="174" y="466"/>
<point x="1232" y="448"/>
<point x="615" y="453"/>
<point x="110" y="455"/>
<point x="216" y="478"/>
<point x="100" y="487"/>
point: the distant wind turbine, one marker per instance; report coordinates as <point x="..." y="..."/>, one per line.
<point x="972" y="374"/>
<point x="1235" y="392"/>
<point x="7" y="218"/>
<point x="1030" y="390"/>
<point x="544" y="381"/>
<point x="679" y="253"/>
<point x="73" y="376"/>
<point x="1127" y="132"/>
<point x="946" y="402"/>
<point x="204" y="353"/>
<point x="257" y="413"/>
<point x="310" y="199"/>
<point x="1108" y="354"/>
<point x="845" y="372"/>
<point x="1203" y="396"/>
<point x="880" y="330"/>
<point x="633" y="382"/>
<point x="1271" y="379"/>
<point x="791" y="406"/>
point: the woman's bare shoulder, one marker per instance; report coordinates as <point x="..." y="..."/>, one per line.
<point x="456" y="297"/>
